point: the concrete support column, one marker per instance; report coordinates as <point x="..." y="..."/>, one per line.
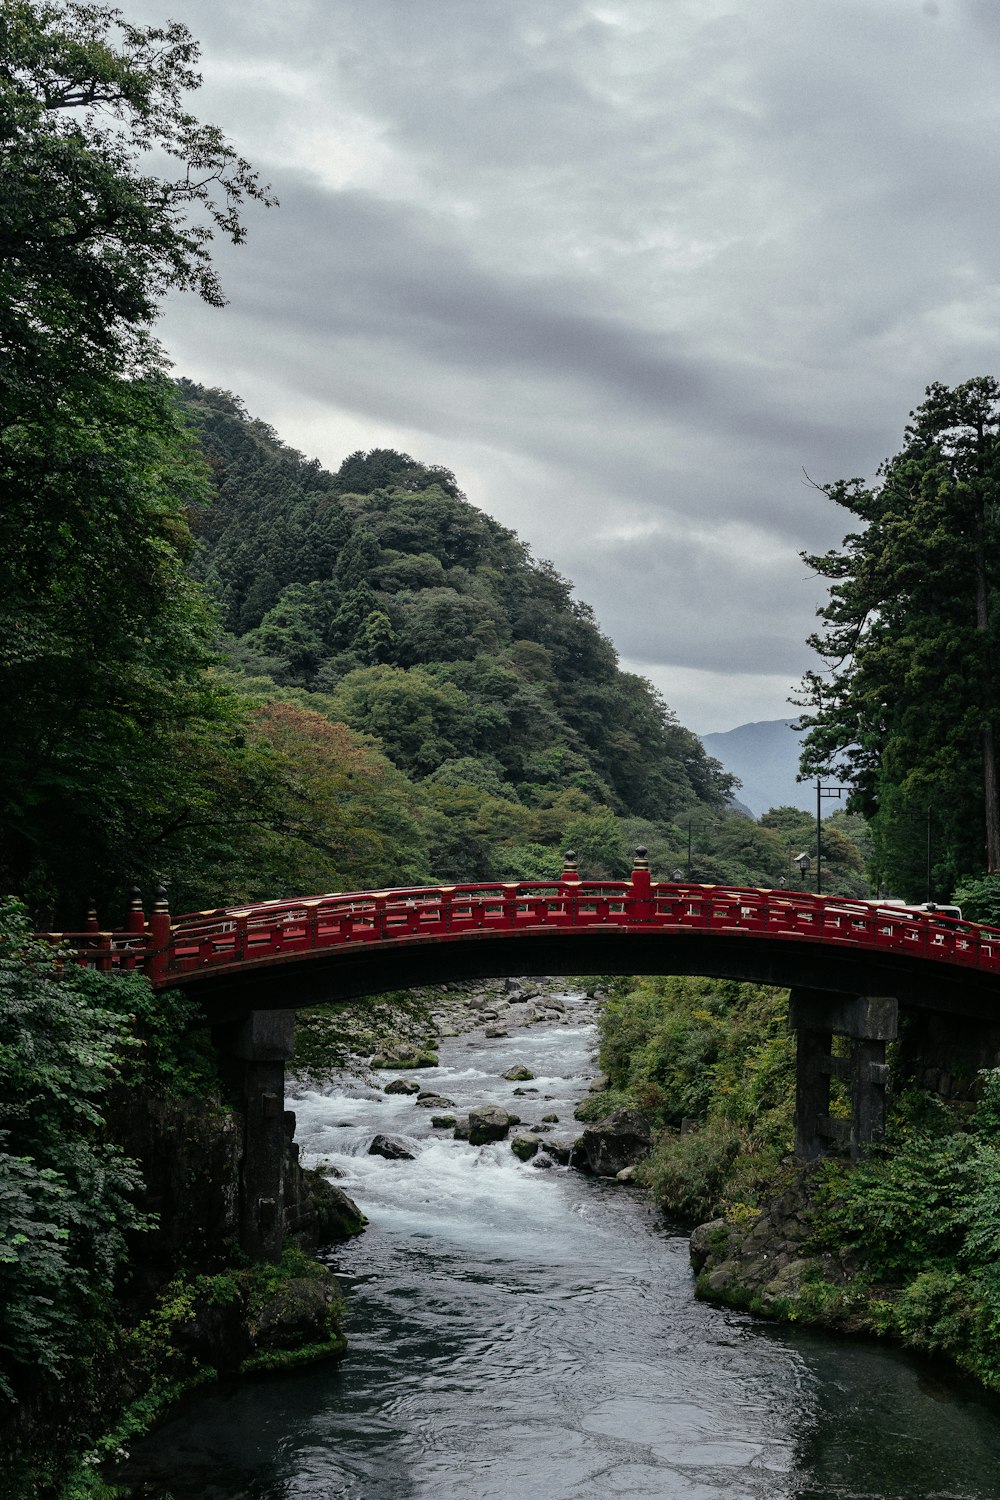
<point x="257" y="1050"/>
<point x="812" y="1092"/>
<point x="870" y="1021"/>
<point x="868" y="1080"/>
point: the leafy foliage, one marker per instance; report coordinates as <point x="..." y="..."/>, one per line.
<point x="428" y="625"/>
<point x="922" y="1217"/>
<point x="66" y="1193"/>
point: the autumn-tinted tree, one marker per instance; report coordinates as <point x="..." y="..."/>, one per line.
<point x="347" y="818"/>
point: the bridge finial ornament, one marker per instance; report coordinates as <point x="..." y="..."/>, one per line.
<point x="135" y="920"/>
<point x="570" y="871"/>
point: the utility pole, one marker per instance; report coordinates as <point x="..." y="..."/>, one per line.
<point x="821" y="792"/>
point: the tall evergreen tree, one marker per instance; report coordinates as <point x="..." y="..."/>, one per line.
<point x="905" y="709"/>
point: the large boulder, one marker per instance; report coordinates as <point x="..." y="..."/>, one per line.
<point x="619" y="1141"/>
<point x="519" y="1074"/>
<point x="489" y="1123"/>
<point x="402" y="1086"/>
<point x="390" y="1148"/>
<point x="525" y="1144"/>
<point x="303" y="1310"/>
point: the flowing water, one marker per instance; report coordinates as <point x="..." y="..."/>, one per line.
<point x="527" y="1334"/>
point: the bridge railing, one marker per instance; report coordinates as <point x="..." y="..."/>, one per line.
<point x="170" y="950"/>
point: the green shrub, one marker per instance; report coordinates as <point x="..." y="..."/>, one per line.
<point x="688" y="1173"/>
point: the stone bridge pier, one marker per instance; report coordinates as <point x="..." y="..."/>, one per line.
<point x="869" y="1021"/>
<point x="254" y="1053"/>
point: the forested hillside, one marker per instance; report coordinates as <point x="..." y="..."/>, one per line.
<point x="430" y="625"/>
<point x="378" y="598"/>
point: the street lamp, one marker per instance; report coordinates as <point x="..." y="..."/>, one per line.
<point x="803" y="862"/>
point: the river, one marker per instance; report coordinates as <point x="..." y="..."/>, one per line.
<point x="526" y="1334"/>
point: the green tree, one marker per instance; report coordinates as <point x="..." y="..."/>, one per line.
<point x="905" y="708"/>
<point x="121" y="757"/>
<point x="419" y="720"/>
<point x="89" y="236"/>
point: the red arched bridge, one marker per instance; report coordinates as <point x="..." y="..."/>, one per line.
<point x="850" y="966"/>
<point x="304" y="951"/>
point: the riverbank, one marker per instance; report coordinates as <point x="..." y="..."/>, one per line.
<point x="904" y="1246"/>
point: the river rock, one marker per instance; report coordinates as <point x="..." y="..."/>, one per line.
<point x="302" y="1311"/>
<point x="443" y="1122"/>
<point x="619" y="1141"/>
<point x="390" y="1148"/>
<point x="435" y="1101"/>
<point x="551" y="1119"/>
<point x="523" y="1093"/>
<point x="518" y="1074"/>
<point x="711" y="1239"/>
<point x="599" y="1084"/>
<point x="462" y="1129"/>
<point x="402" y="1086"/>
<point x="408" y="1060"/>
<point x="525" y="1145"/>
<point x="488" y="1123"/>
<point x="494" y="1032"/>
<point x="541" y="1160"/>
<point x="327" y="1218"/>
<point x="626" y="1175"/>
<point x="560" y="1151"/>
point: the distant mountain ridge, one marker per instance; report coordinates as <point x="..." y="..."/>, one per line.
<point x="765" y="757"/>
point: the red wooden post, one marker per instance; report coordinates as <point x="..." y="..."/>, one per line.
<point x="158" y="957"/>
<point x="640" y="904"/>
<point x="570" y="876"/>
<point x="135" y="921"/>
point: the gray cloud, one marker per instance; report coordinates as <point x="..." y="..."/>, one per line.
<point x="627" y="269"/>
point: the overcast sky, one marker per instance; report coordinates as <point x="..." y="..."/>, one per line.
<point x="627" y="268"/>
